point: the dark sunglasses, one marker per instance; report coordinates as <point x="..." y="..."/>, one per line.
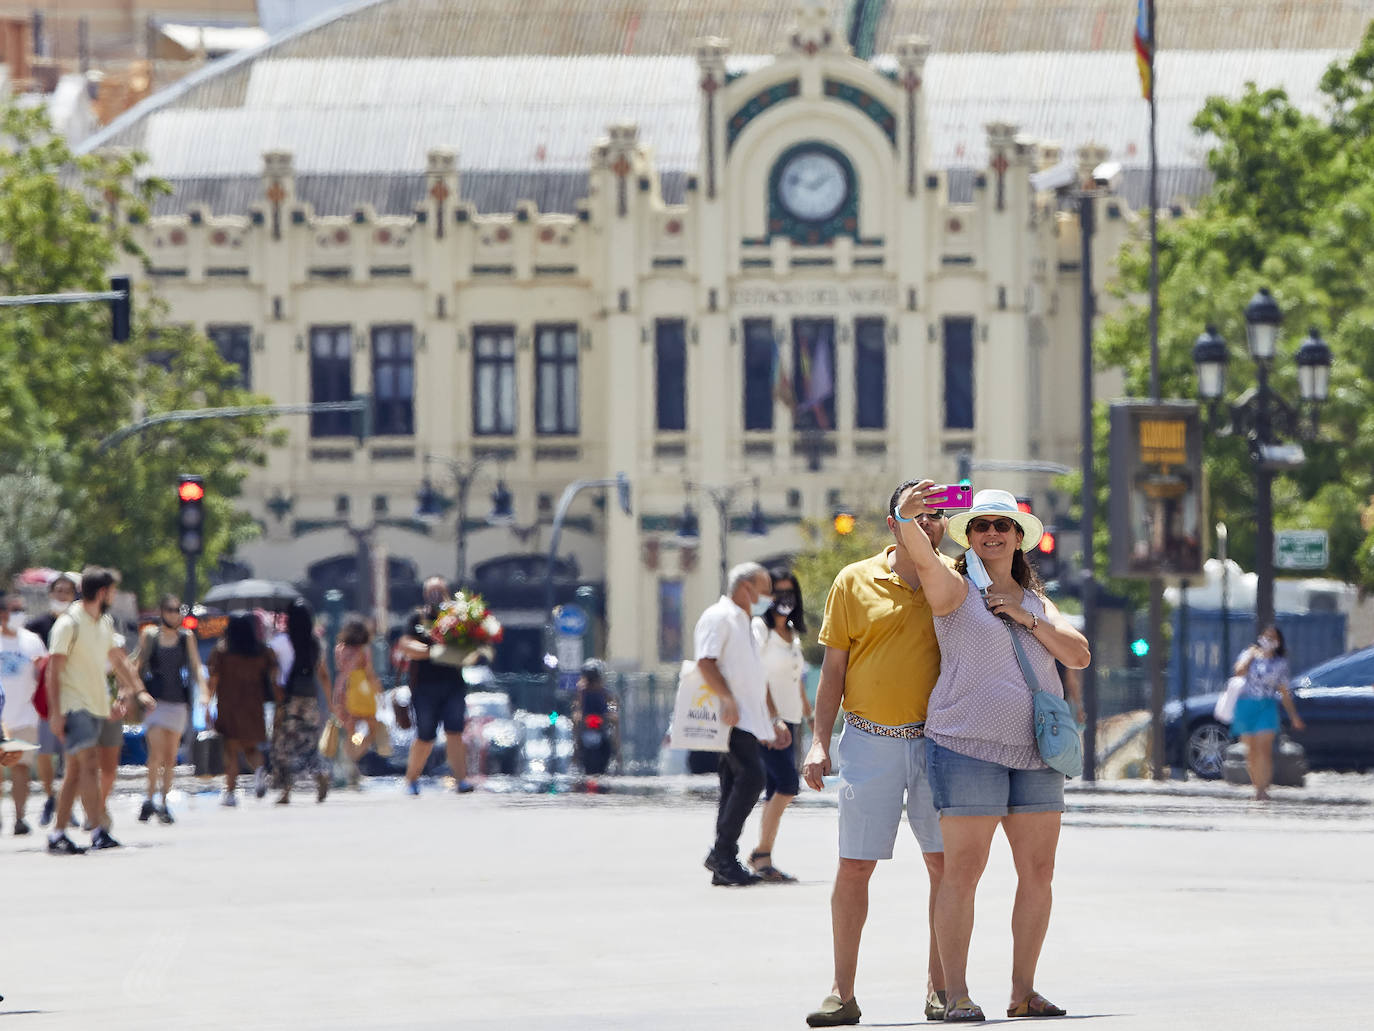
<point x="984" y="525"/>
<point x="938" y="513"/>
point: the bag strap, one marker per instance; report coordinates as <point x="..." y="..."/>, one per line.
<point x="1032" y="681"/>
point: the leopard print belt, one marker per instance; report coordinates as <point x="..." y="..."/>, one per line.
<point x="911" y="730"/>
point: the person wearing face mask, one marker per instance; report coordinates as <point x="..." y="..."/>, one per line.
<point x="83" y="644"/>
<point x="20" y="651"/>
<point x="62" y="591"/>
<point x="778" y="633"/>
<point x="1256" y="721"/>
<point x="727" y="656"/>
<point x="169" y="664"/>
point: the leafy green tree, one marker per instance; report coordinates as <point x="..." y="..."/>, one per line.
<point x="1292" y="209"/>
<point x="65" y="386"/>
<point x="822" y="557"/>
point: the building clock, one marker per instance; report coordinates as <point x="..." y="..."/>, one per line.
<point x="812" y="184"/>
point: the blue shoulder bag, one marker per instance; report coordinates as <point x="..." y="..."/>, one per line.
<point x="1058" y="736"/>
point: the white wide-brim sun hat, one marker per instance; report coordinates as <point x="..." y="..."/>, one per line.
<point x="994" y="504"/>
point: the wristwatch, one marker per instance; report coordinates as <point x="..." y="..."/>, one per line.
<point x="1035" y="622"/>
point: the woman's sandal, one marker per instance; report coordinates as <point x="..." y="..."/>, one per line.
<point x="935" y="1005"/>
<point x="768" y="871"/>
<point x="963" y="1011"/>
<point x="1035" y="1005"/>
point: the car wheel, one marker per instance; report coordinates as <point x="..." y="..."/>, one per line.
<point x="1207" y="743"/>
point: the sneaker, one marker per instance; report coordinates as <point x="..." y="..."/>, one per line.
<point x="413" y="787"/>
<point x="147" y="811"/>
<point x="465" y="787"/>
<point x="260" y="781"/>
<point x="228" y="798"/>
<point x="20" y="828"/>
<point x="101" y="839"/>
<point x="729" y="872"/>
<point x="61" y="845"/>
<point x="49" y="808"/>
<point x="164" y="815"/>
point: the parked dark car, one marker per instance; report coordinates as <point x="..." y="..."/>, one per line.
<point x="1335" y="699"/>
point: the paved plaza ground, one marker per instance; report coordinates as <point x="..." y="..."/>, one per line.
<point x="544" y="911"/>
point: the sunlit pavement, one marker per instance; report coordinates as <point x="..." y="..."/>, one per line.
<point x="539" y="905"/>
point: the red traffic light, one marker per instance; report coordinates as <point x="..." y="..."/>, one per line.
<point x="1047" y="543"/>
<point x="190" y="622"/>
<point x="1024" y="505"/>
<point x="191" y="490"/>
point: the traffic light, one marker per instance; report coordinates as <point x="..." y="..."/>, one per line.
<point x="1047" y="555"/>
<point x="844" y="524"/>
<point x="190" y="622"/>
<point x="121" y="309"/>
<point x="191" y="515"/>
<point x="1140" y="647"/>
<point x="965" y="469"/>
<point x="1024" y="505"/>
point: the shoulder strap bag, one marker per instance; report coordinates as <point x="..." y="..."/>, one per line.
<point x="1058" y="736"/>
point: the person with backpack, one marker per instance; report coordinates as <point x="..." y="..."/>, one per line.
<point x="168" y="664"/>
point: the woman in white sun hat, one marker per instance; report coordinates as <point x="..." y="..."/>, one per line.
<point x="984" y="767"/>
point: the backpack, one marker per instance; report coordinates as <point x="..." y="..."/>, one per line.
<point x="40" y="692"/>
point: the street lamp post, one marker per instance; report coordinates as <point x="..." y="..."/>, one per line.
<point x="722" y="497"/>
<point x="1264" y="418"/>
<point x="429" y="503"/>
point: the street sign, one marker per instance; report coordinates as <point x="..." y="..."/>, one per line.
<point x="570" y="620"/>
<point x="1155" y="505"/>
<point x="1301" y="549"/>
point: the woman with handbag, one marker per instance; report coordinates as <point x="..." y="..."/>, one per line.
<point x="1256" y="718"/>
<point x="999" y="640"/>
<point x="168" y="665"/>
<point x="242" y="670"/>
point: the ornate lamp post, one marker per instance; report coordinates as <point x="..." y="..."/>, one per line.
<point x="1264" y="417"/>
<point x="722" y="498"/>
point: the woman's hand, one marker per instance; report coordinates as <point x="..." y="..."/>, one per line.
<point x="1011" y="608"/>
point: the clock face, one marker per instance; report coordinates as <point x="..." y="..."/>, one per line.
<point x="813" y="186"/>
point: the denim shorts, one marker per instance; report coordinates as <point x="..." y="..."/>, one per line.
<point x="964" y="786"/>
<point x="780" y="768"/>
<point x="876" y="775"/>
<point x="81" y="730"/>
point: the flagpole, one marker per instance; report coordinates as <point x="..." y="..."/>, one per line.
<point x="1154" y="218"/>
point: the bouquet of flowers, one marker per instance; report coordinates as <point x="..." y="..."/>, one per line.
<point x="463" y="627"/>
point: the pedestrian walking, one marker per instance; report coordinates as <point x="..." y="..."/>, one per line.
<point x="1264" y="665"/>
<point x="62" y="591"/>
<point x="168" y="663"/>
<point x="985" y="767"/>
<point x="778" y="633"/>
<point x="881" y="662"/>
<point x="296" y="723"/>
<point x="357" y="690"/>
<point x="243" y="677"/>
<point x="728" y="659"/>
<point x="20" y="652"/>
<point x="83" y="645"/>
<point x="436" y="694"/>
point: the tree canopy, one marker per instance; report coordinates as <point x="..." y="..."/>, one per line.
<point x="1292" y="208"/>
<point x="65" y="386"/>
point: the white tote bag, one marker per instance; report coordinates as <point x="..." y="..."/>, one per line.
<point x="696" y="714"/>
<point x="1225" y="710"/>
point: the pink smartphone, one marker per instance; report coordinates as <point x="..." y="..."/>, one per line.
<point x="951" y="496"/>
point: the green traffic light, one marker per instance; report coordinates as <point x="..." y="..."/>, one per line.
<point x="553" y="719"/>
<point x="1140" y="647"/>
<point x="966" y="482"/>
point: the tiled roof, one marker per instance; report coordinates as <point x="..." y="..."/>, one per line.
<point x="360" y="96"/>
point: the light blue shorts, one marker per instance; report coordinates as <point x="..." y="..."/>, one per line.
<point x="1255" y="716"/>
<point x="964" y="786"/>
<point x="878" y="774"/>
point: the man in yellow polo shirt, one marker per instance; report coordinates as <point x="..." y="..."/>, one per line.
<point x="881" y="662"/>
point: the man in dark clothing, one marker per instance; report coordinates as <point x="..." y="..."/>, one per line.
<point x="436" y="692"/>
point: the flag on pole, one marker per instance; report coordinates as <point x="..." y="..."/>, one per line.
<point x="1145" y="48"/>
<point x="782" y="382"/>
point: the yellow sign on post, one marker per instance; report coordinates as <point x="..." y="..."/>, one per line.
<point x="1156" y="489"/>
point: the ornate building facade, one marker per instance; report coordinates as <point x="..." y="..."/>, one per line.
<point x="810" y="311"/>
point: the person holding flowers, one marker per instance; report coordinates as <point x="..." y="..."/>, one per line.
<point x="441" y="636"/>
